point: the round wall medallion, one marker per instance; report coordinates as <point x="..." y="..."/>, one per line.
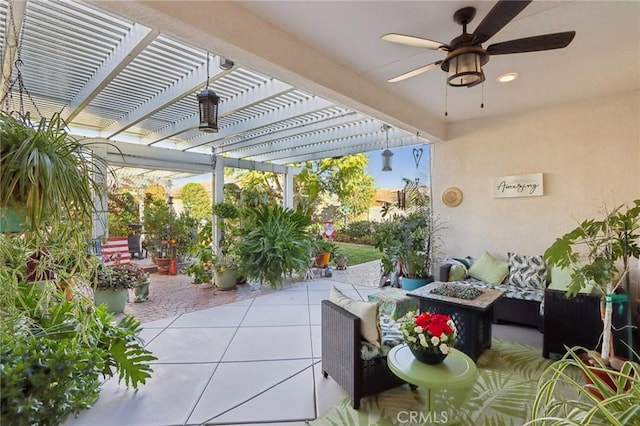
<point x="452" y="197"/>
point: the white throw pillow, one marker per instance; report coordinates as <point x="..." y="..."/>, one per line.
<point x="366" y="311"/>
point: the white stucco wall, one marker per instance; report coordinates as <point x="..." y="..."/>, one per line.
<point x="589" y="153"/>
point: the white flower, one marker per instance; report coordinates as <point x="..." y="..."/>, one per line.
<point x="412" y="339"/>
<point x="435" y="341"/>
<point x="444" y="348"/>
<point x="423" y="340"/>
<point x="418" y="329"/>
<point x="443" y="337"/>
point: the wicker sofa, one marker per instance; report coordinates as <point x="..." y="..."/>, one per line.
<point x="341" y="356"/>
<point x="511" y="308"/>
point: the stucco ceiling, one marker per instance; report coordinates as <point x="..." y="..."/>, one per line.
<point x="326" y="57"/>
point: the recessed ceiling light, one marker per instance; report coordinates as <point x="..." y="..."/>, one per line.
<point x="507" y="77"/>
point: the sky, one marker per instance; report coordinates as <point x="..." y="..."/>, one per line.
<point x="403" y="165"/>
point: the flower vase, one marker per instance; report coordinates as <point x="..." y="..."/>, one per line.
<point x="428" y="356"/>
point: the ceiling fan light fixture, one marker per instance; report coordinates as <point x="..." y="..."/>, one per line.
<point x="507" y="77"/>
<point x="464" y="66"/>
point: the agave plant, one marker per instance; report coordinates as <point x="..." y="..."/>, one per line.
<point x="45" y="172"/>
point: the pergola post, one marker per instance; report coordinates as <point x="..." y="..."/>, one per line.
<point x="288" y="189"/>
<point x="218" y="197"/>
<point x="99" y="217"/>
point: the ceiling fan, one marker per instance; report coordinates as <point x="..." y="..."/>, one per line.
<point x="465" y="54"/>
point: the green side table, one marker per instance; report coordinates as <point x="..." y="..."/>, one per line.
<point x="457" y="373"/>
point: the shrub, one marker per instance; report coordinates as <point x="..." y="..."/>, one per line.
<point x="44" y="380"/>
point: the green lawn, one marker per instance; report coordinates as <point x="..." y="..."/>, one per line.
<point x="358" y="253"/>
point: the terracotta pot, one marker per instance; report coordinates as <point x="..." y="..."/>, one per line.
<point x="603" y="376"/>
<point x="163" y="265"/>
<point x="322" y="259"/>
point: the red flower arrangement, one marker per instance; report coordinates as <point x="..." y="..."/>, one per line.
<point x="436" y="332"/>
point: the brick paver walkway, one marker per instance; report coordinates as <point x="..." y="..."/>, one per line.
<point x="171" y="295"/>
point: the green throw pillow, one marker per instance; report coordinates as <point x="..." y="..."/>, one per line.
<point x="561" y="278"/>
<point x="457" y="273"/>
<point x="489" y="269"/>
<point x="367" y="312"/>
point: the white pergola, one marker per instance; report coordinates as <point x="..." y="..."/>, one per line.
<point x="116" y="81"/>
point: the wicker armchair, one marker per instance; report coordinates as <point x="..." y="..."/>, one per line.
<point x="341" y="341"/>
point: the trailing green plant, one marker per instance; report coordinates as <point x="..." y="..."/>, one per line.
<point x="45" y="172"/>
<point x="565" y="398"/>
<point x="599" y="252"/>
<point x="276" y="245"/>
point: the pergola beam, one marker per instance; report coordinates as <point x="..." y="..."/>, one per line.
<point x="262" y="93"/>
<point x="132" y="44"/>
<point x="345" y="118"/>
<point x="178" y="90"/>
<point x="298" y="109"/>
<point x="355" y="145"/>
<point x="342" y="133"/>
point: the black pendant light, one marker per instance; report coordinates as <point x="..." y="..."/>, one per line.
<point x="208" y="104"/>
<point x="386" y="154"/>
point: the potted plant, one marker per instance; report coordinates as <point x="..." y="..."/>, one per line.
<point x="325" y="249"/>
<point x="598" y="252"/>
<point x="276" y="244"/>
<point x="46" y="174"/>
<point x="111" y="285"/>
<point x="407" y="245"/>
<point x="611" y="396"/>
<point x="225" y="269"/>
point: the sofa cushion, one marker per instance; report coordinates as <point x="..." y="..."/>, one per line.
<point x="527" y="272"/>
<point x="489" y="269"/>
<point x="367" y="312"/>
<point x="390" y="336"/>
<point x="561" y="278"/>
<point x="457" y="272"/>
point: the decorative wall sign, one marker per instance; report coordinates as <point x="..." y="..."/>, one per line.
<point x="518" y="186"/>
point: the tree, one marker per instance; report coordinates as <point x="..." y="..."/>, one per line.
<point x="344" y="177"/>
<point x="196" y="201"/>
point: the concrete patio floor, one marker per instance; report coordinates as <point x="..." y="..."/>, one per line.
<point x="248" y="356"/>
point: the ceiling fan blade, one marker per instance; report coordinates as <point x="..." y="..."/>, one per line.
<point x="414" y="41"/>
<point x="501" y="14"/>
<point x="415" y="72"/>
<point x="532" y="44"/>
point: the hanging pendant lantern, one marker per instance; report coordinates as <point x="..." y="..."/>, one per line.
<point x="208" y="105"/>
<point x="386" y="154"/>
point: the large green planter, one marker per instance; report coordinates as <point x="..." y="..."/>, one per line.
<point x="11" y="219"/>
<point x="226" y="280"/>
<point x="115" y="300"/>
